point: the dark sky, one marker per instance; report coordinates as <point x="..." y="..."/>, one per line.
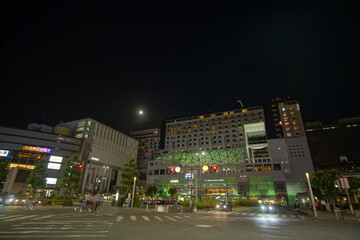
<point x="67" y="60"/>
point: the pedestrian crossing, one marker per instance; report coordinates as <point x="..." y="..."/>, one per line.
<point x="16" y="217"/>
<point x="55" y="229"/>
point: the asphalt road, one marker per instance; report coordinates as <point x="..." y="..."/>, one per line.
<point x="128" y="224"/>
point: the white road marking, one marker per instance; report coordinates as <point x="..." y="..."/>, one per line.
<point x="158" y="218"/>
<point x="170" y="218"/>
<point x="119" y="218"/>
<point x="178" y="217"/>
<point x="7" y="217"/>
<point x="146" y="218"/>
<point x="50" y="236"/>
<point x="133" y="218"/>
<point x="43" y="217"/>
<point x="19" y="218"/>
<point x="203" y="226"/>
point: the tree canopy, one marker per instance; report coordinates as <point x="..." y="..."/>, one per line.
<point x="37" y="176"/>
<point x="128" y="172"/>
<point x="4" y="170"/>
<point x="69" y="181"/>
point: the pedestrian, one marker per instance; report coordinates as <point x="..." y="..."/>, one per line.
<point x="88" y="201"/>
<point x="97" y="200"/>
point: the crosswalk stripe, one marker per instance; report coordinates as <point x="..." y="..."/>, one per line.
<point x="19" y="218"/>
<point x="43" y="217"/>
<point x="133" y="218"/>
<point x="179" y="217"/>
<point x="7" y="217"/>
<point x="51" y="236"/>
<point x="187" y="216"/>
<point x="158" y="218"/>
<point x="146" y="218"/>
<point x="119" y="218"/>
<point x="170" y="218"/>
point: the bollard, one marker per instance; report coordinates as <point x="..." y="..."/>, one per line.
<point x="156" y="207"/>
<point x="167" y="208"/>
<point x="147" y="207"/>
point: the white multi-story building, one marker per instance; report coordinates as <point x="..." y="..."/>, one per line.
<point x="104" y="152"/>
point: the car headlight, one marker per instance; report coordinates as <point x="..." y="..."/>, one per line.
<point x="263" y="207"/>
<point x="224" y="206"/>
<point x="217" y="206"/>
<point x="270" y="208"/>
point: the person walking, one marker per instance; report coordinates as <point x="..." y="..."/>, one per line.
<point x="97" y="200"/>
<point x="88" y="201"/>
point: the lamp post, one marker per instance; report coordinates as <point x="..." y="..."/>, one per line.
<point x="311" y="194"/>
<point x="198" y="188"/>
<point x="133" y="193"/>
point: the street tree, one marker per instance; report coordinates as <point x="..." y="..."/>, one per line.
<point x="128" y="172"/>
<point x="322" y="182"/>
<point x="37" y="176"/>
<point x="172" y="191"/>
<point x="69" y="181"/>
<point x="4" y="170"/>
<point x="151" y="191"/>
<point x="161" y="193"/>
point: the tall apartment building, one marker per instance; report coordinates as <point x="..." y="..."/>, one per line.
<point x="104" y="152"/>
<point x="149" y="141"/>
<point x="254" y="154"/>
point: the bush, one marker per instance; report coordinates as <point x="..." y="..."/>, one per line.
<point x="246" y="203"/>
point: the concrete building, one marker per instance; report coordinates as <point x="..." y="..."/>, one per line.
<point x="149" y="141"/>
<point x="104" y="152"/>
<point x="240" y="159"/>
<point x="334" y="143"/>
<point x="24" y="148"/>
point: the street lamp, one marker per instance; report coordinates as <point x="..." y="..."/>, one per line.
<point x="198" y="191"/>
<point x="311" y="194"/>
<point x="133" y="193"/>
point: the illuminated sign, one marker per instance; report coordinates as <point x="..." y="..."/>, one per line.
<point x="4" y="153"/>
<point x="189" y="176"/>
<point x="213" y="180"/>
<point x="36" y="149"/>
<point x="50" y="180"/>
<point x="55" y="166"/>
<point x="56" y="159"/>
<point x="95" y="158"/>
<point x="174" y="181"/>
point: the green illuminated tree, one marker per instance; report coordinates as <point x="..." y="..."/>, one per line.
<point x="128" y="172"/>
<point x="37" y="176"/>
<point x="172" y="191"/>
<point x="69" y="181"/>
<point x="4" y="170"/>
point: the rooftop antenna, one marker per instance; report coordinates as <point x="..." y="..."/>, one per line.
<point x="241" y="104"/>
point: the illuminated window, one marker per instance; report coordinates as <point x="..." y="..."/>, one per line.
<point x="225" y="113"/>
<point x="201" y="116"/>
<point x="231" y="112"/>
<point x="283" y="109"/>
<point x="195" y="126"/>
<point x="287" y="124"/>
<point x="213" y="115"/>
<point x="294" y="123"/>
<point x="78" y="135"/>
<point x="244" y="110"/>
<point x="288" y="134"/>
<point x="80" y="129"/>
<point x="292" y="113"/>
<point x="81" y="124"/>
<point x="292" y="108"/>
<point x="296" y="128"/>
<point x="213" y="127"/>
<point x="284" y="114"/>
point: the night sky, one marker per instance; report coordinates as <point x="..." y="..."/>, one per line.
<point x="67" y="60"/>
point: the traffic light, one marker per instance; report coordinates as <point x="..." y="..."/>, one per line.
<point x="171" y="170"/>
<point x="214" y="168"/>
<point x="79" y="165"/>
<point x="336" y="184"/>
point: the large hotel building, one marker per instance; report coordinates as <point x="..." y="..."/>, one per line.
<point x="259" y="152"/>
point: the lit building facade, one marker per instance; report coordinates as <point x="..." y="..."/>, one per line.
<point x="24" y="148"/>
<point x="240" y="159"/>
<point x="104" y="152"/>
<point x="149" y="142"/>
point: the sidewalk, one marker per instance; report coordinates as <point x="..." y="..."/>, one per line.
<point x="326" y="216"/>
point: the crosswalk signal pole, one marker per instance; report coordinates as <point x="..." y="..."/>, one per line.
<point x="133" y="194"/>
